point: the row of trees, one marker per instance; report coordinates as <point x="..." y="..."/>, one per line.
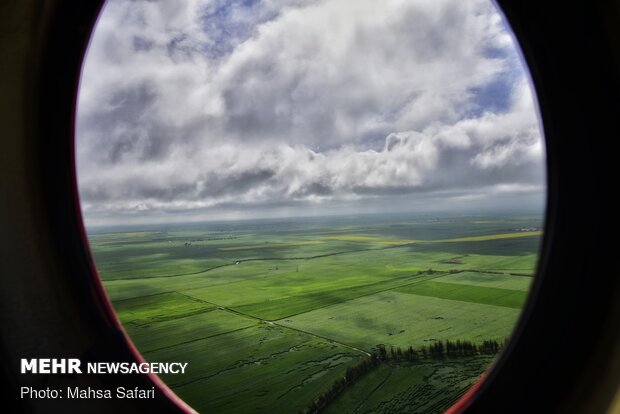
<point x="440" y="349"/>
<point x="380" y="354"/>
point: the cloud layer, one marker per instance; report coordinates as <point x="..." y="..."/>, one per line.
<point x="211" y="107"/>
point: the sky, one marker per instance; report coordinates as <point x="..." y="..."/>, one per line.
<point x="216" y="110"/>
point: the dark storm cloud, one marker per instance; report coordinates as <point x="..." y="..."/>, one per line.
<point x="212" y="106"/>
<point x="142" y="44"/>
<point x="125" y="127"/>
<point x="223" y="185"/>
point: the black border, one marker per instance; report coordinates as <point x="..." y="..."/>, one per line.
<point x="565" y="354"/>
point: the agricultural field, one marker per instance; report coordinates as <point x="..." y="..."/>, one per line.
<point x="423" y="387"/>
<point x="400" y="319"/>
<point x="270" y="313"/>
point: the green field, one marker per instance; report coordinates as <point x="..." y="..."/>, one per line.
<point x="269" y="313"/>
<point x="400" y="319"/>
<point x="263" y="367"/>
<point x="425" y="387"/>
<point x="474" y="294"/>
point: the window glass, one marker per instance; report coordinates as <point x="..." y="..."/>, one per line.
<point x="319" y="205"/>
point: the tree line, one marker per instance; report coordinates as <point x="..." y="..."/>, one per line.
<point x="440" y="349"/>
<point x="379" y="355"/>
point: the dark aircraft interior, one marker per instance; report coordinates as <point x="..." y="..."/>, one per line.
<point x="564" y="356"/>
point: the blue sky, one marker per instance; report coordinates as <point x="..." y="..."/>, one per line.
<point x="233" y="109"/>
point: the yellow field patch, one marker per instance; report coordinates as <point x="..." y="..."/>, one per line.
<point x="493" y="236"/>
<point x="335" y="231"/>
<point x="370" y="239"/>
<point x="269" y="245"/>
<point x="390" y="242"/>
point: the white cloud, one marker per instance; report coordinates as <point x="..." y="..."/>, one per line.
<point x="194" y="105"/>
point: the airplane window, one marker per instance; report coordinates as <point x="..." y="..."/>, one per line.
<point x="318" y="205"/>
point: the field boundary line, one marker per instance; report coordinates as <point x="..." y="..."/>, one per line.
<point x="282" y="326"/>
<point x="443" y="273"/>
<point x="410" y="282"/>
<point x="466" y="239"/>
<point x="197" y="339"/>
<point x="172" y="318"/>
<point x="497" y="272"/>
<point x="142" y="296"/>
<point x="259" y="259"/>
<point x="323" y="337"/>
